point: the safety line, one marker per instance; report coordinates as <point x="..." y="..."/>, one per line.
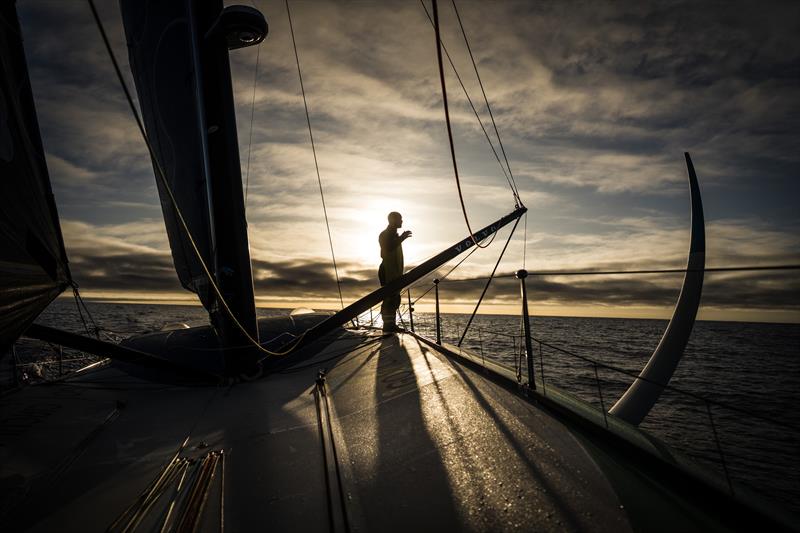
<point x="653" y="271"/>
<point x="314" y="151"/>
<point x="629" y="373"/>
<point x="486" y="100"/>
<point x="162" y="176"/>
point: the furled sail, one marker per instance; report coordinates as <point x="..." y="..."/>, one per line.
<point x="160" y="37"/>
<point x="33" y="263"/>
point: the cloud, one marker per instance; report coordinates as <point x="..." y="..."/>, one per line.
<point x="595" y="106"/>
<point x="103" y="260"/>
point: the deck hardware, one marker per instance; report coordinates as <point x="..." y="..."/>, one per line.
<point x="336" y="496"/>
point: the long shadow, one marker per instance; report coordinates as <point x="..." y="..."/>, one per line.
<point x="469" y="463"/>
<point x="410" y="489"/>
<point x="357" y="369"/>
<point x="553" y="491"/>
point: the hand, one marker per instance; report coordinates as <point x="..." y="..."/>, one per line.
<point x="406" y="234"/>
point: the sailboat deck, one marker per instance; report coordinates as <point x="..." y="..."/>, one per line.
<point x="422" y="442"/>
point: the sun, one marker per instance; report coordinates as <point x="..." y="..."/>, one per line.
<point x="360" y="227"/>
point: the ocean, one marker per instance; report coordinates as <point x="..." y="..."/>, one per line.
<point x="749" y="372"/>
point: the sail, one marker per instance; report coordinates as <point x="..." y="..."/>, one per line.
<point x="33" y="264"/>
<point x="160" y="42"/>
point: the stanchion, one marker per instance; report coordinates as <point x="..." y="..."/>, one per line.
<point x="410" y="311"/>
<point x="521" y="275"/>
<point x="438" y="319"/>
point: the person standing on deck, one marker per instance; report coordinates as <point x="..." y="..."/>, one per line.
<point x="391" y="267"/>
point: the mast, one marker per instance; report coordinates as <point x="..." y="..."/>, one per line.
<point x="229" y="227"/>
<point x="179" y="58"/>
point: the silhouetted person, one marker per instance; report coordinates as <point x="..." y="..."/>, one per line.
<point x="391" y="267"/>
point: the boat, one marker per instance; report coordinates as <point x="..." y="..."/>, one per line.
<point x="306" y="422"/>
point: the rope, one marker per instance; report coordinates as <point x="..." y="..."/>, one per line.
<point x="667" y="386"/>
<point x="525" y="243"/>
<point x="80" y="303"/>
<point x="449" y="271"/>
<point x="652" y="271"/>
<point x="485" y="99"/>
<point x="162" y="177"/>
<point x="314" y="151"/>
<point x="447" y="121"/>
<point x="474" y="109"/>
<point x="252" y="115"/>
<point x="488" y="282"/>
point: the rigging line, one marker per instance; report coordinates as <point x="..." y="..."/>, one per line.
<point x="488" y="242"/>
<point x="485" y="99"/>
<point x="448" y="273"/>
<point x="79" y="303"/>
<point x="525" y="242"/>
<point x="161" y="175"/>
<point x="314" y="151"/>
<point x="252" y="115"/>
<point x="421" y="281"/>
<point x="447" y="121"/>
<point x="668" y="386"/>
<point x="488" y="282"/>
<point x="472" y="251"/>
<point x="655" y="271"/>
<point x="474" y="109"/>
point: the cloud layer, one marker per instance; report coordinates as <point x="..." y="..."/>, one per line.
<point x="595" y="102"/>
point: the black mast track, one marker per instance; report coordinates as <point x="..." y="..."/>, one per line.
<point x="356" y="308"/>
<point x="179" y="58"/>
<point x="232" y="251"/>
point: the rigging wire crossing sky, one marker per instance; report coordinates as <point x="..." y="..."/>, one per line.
<point x="595" y="103"/>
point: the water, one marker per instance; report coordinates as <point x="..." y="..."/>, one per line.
<point x="750" y="366"/>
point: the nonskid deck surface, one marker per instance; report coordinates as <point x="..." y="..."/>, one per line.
<point x="422" y="443"/>
<point x="428" y="444"/>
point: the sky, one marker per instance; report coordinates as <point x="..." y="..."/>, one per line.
<point x="595" y="103"/>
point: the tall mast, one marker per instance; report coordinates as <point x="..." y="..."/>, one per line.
<point x="179" y="58"/>
<point x="232" y="267"/>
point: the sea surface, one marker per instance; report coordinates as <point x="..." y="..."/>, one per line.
<point x="736" y="406"/>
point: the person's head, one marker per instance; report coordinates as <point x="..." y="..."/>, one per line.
<point x="395" y="219"/>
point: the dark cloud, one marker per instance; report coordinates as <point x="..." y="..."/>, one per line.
<point x="596" y="102"/>
<point x="312" y="280"/>
<point x="755" y="290"/>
